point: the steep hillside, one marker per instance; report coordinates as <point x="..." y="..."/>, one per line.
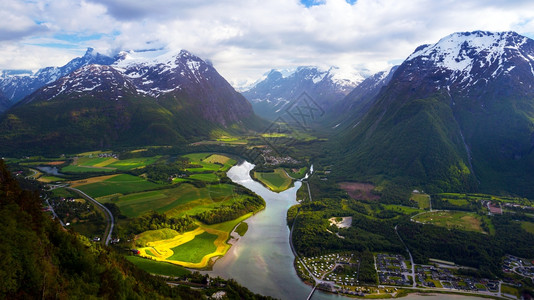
<point x="348" y="111"/>
<point x="173" y="77"/>
<point x="455" y="114"/>
<point x="42" y="260"/>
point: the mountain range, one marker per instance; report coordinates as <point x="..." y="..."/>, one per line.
<point x="142" y="98"/>
<point x="456" y="115"/>
<point x="271" y="94"/>
<point x="17" y="84"/>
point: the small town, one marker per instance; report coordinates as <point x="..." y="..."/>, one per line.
<point x="338" y="273"/>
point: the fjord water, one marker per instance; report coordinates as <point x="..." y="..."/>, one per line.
<point x="262" y="259"/>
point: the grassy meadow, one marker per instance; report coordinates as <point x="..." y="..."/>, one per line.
<point x="156" y="267"/>
<point x="192" y="249"/>
<point x="206" y="162"/>
<point x="423" y="200"/>
<point x="113" y="184"/>
<point x="297" y="173"/>
<point x="277" y="181"/>
<point x="89" y="164"/>
<point x="452" y="219"/>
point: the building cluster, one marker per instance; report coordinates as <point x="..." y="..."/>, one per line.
<point x="494" y="208"/>
<point x="431" y="276"/>
<point x="521" y="266"/>
<point x="271" y="158"/>
<point x="518" y="206"/>
<point x="110" y="155"/>
<point x="332" y="267"/>
<point x="392" y="269"/>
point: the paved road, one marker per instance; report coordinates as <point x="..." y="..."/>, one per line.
<point x="317" y="280"/>
<point x="32" y="176"/>
<point x="109" y="216"/>
<point x="54" y="213"/>
<point x="411" y="258"/>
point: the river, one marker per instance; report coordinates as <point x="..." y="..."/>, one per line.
<point x="262" y="259"/>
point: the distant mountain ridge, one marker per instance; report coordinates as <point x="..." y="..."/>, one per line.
<point x="456" y="115"/>
<point x="270" y="95"/>
<point x="347" y="112"/>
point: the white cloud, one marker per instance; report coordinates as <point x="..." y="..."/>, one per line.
<point x="245" y="38"/>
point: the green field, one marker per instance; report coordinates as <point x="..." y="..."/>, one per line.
<point x="423" y="200"/>
<point x="156" y="267"/>
<point x="452" y="219"/>
<point x="232" y="140"/>
<point x="92" y="161"/>
<point x="176" y="201"/>
<point x="196" y="157"/>
<point x="133" y="163"/>
<point x="458" y="202"/>
<point x="120" y="184"/>
<point x="136" y="204"/>
<point x="209" y="177"/>
<point x="207" y="200"/>
<point x="298" y="174"/>
<point x="62" y="192"/>
<point x="276" y="181"/>
<point x="48" y="179"/>
<point x="528" y="226"/>
<point x="457" y="198"/>
<point x="194" y="250"/>
<point x="209" y="162"/>
<point x="107" y="164"/>
<point x="403" y="209"/>
<point x="78" y="169"/>
<point x="155" y="235"/>
<point x="510" y="290"/>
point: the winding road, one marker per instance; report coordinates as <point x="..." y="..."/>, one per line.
<point x="107" y="213"/>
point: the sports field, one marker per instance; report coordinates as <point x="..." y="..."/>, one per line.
<point x="452" y="220"/>
<point x="423" y="200"/>
<point x="276" y="181"/>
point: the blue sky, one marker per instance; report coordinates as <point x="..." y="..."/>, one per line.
<point x="309" y="3"/>
<point x="246" y="38"/>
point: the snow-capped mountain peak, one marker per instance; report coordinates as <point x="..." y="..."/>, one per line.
<point x="90" y="80"/>
<point x="158" y="72"/>
<point x="16" y="85"/>
<point x="474" y="58"/>
<point x="277" y="88"/>
<point x="465" y="51"/>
